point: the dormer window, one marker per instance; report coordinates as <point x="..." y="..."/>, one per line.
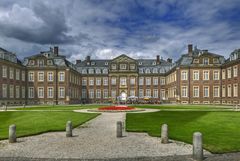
<point x="49" y="62"/>
<point x="105" y="71"/>
<point x="40" y="63"/>
<point x="140" y="70"/>
<point x="154" y="63"/>
<point x="84" y="71"/>
<point x="106" y="63"/>
<point x="91" y="71"/>
<point x="215" y="60"/>
<point x="147" y="71"/>
<point x="155" y="70"/>
<point x="205" y="61"/>
<point x="140" y="63"/>
<point x="196" y="61"/>
<point x="88" y="63"/>
<point x="98" y="71"/>
<point x="31" y="62"/>
<point x="92" y="63"/>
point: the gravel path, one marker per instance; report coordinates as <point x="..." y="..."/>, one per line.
<point x="93" y="140"/>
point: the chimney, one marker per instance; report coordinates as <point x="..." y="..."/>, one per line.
<point x="78" y="61"/>
<point x="169" y="60"/>
<point x="51" y="49"/>
<point x="190" y="49"/>
<point x="158" y="59"/>
<point x="55" y="50"/>
<point x="88" y="58"/>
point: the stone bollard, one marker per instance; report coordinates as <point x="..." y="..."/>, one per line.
<point x="69" y="129"/>
<point x="119" y="129"/>
<point x="12" y="134"/>
<point x="164" y="134"/>
<point x="197" y="146"/>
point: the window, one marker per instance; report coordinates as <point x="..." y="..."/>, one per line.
<point x="49" y="62"/>
<point x="184" y="75"/>
<point x="91" y="81"/>
<point x="195" y="91"/>
<point x="106" y="63"/>
<point x="195" y="75"/>
<point x="23" y="92"/>
<point x="84" y="93"/>
<point x="147" y="71"/>
<point x="113" y="94"/>
<point x="148" y="92"/>
<point x="205" y="75"/>
<point x="184" y="91"/>
<point x="50" y="92"/>
<point x="113" y="81"/>
<point x="155" y="93"/>
<point x="17" y="74"/>
<point x="140" y="93"/>
<point x="196" y="61"/>
<point x="40" y="63"/>
<point x="148" y="81"/>
<point x="105" y="93"/>
<point x="205" y="61"/>
<point x="216" y="91"/>
<point x="50" y="76"/>
<point x="98" y="71"/>
<point x="215" y="60"/>
<point x="114" y="66"/>
<point x="11" y="74"/>
<point x="61" y="92"/>
<point x="105" y="81"/>
<point x="132" y="81"/>
<point x="11" y="91"/>
<point x="229" y="91"/>
<point x="235" y="71"/>
<point x="31" y="92"/>
<point x="162" y="81"/>
<point x="205" y="91"/>
<point x="17" y="92"/>
<point x="4" y="71"/>
<point x="91" y="71"/>
<point x="105" y="71"/>
<point x="31" y="62"/>
<point x="132" y="66"/>
<point x="123" y="81"/>
<point x="31" y="76"/>
<point x="223" y="91"/>
<point x="98" y="81"/>
<point x="155" y="70"/>
<point x="155" y="81"/>
<point x="141" y="81"/>
<point x="132" y="92"/>
<point x="40" y="92"/>
<point x="215" y="75"/>
<point x="162" y="94"/>
<point x="40" y="76"/>
<point x="229" y="72"/>
<point x="91" y="93"/>
<point x="223" y="74"/>
<point x="61" y="76"/>
<point x="235" y="90"/>
<point x="98" y="94"/>
<point x="123" y="66"/>
<point x="4" y="90"/>
<point x="23" y="75"/>
<point x="84" y="81"/>
<point x="84" y="71"/>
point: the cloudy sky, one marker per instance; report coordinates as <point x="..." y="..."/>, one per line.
<point x="107" y="28"/>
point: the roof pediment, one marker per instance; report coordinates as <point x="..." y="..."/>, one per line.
<point x="123" y="58"/>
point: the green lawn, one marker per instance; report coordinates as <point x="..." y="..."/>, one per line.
<point x="221" y="130"/>
<point x="185" y="107"/>
<point x="31" y="123"/>
<point x="59" y="107"/>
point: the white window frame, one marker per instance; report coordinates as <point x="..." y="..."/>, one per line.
<point x="50" y="76"/>
<point x="184" y="75"/>
<point x="195" y="91"/>
<point x="30" y="76"/>
<point x="50" y="92"/>
<point x="206" y="89"/>
<point x="30" y="92"/>
<point x="41" y="76"/>
<point x="40" y="92"/>
<point x="61" y="93"/>
<point x="184" y="91"/>
<point x="218" y="91"/>
<point x="196" y="75"/>
<point x="61" y="76"/>
<point x="206" y="75"/>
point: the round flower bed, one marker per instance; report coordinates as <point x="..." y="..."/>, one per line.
<point x="116" y="108"/>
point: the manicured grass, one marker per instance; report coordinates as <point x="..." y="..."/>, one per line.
<point x="31" y="123"/>
<point x="59" y="107"/>
<point x="187" y="107"/>
<point x="221" y="130"/>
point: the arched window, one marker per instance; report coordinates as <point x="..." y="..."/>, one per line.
<point x="148" y="71"/>
<point x="98" y="71"/>
<point x="155" y="70"/>
<point x="91" y="71"/>
<point x="105" y="71"/>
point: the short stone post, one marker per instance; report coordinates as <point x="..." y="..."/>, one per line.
<point x="12" y="134"/>
<point x="197" y="146"/>
<point x="164" y="134"/>
<point x="119" y="129"/>
<point x="69" y="129"/>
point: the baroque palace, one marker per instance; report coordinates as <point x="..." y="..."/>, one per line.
<point x="197" y="77"/>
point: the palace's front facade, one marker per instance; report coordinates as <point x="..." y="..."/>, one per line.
<point x="198" y="77"/>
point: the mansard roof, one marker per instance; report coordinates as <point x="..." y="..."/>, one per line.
<point x="9" y="56"/>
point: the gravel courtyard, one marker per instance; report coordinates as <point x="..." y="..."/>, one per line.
<point x="95" y="139"/>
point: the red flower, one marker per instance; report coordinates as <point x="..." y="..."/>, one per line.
<point x="112" y="108"/>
